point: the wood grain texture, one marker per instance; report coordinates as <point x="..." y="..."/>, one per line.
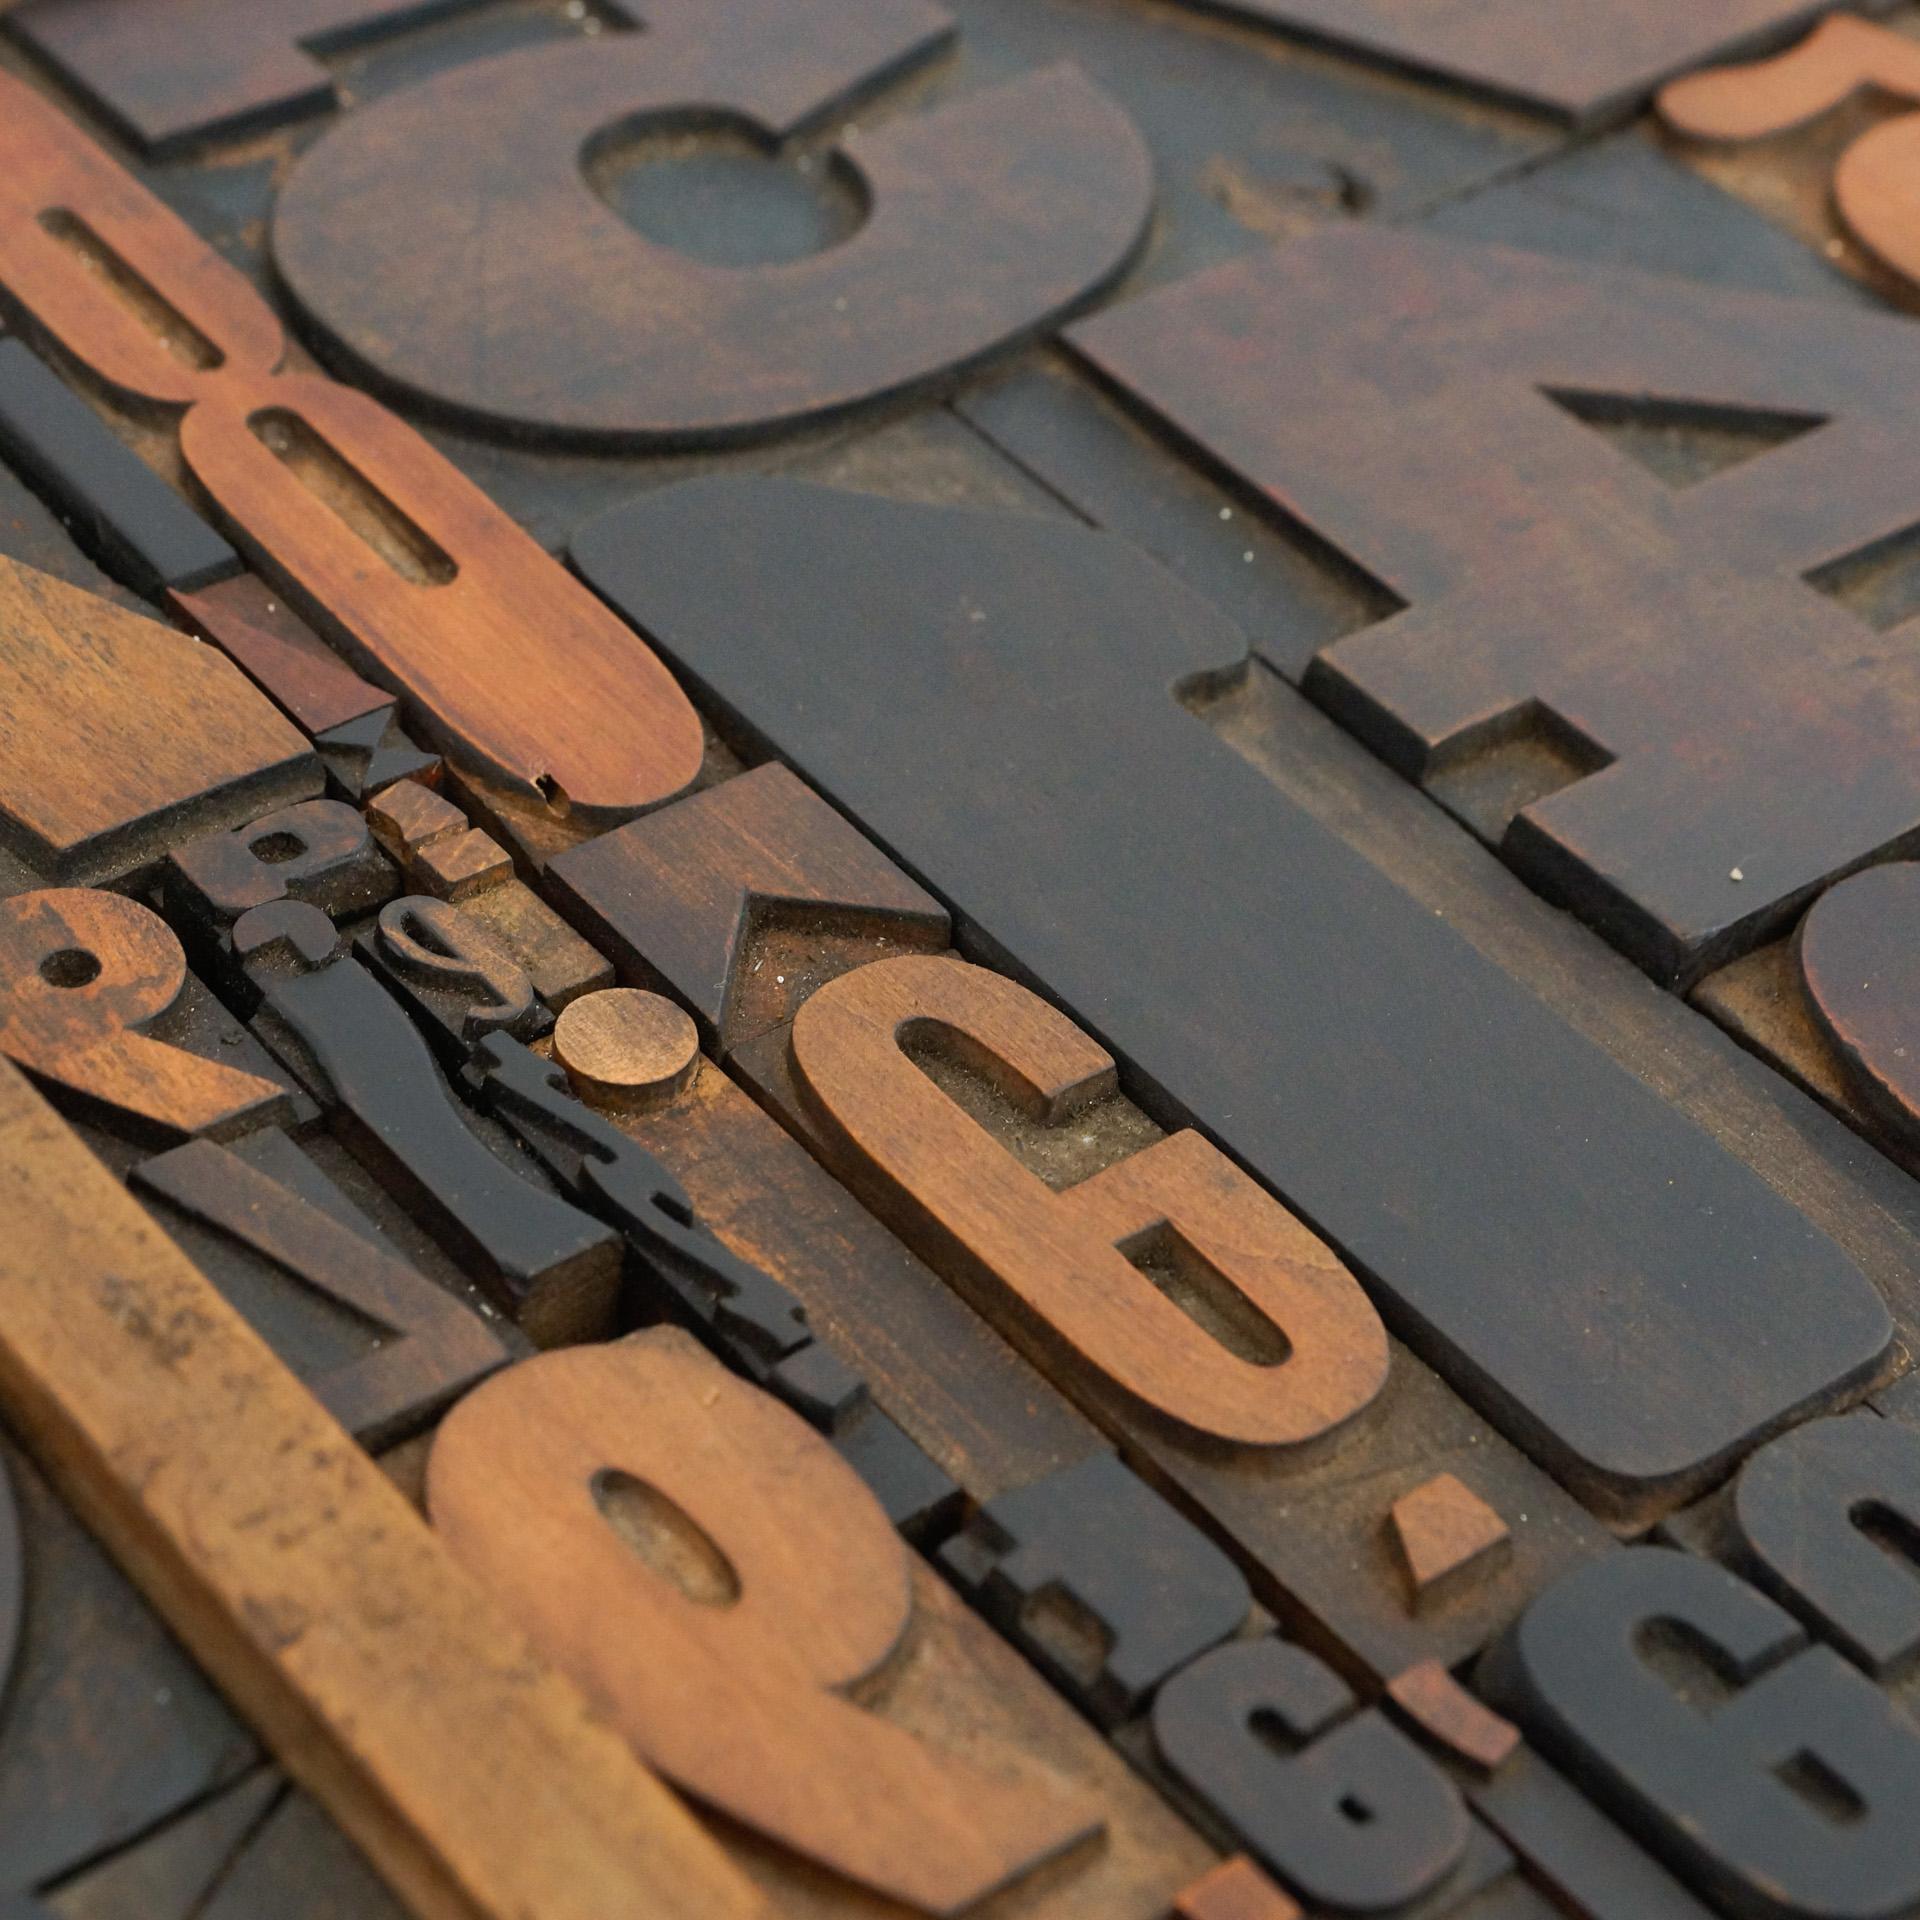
<point x="107" y="1728"/>
<point x="173" y="74"/>
<point x="1593" y="64"/>
<point x="983" y="221"/>
<point x="1739" y="1800"/>
<point x="1435" y="1705"/>
<point x="117" y="732"/>
<point x="118" y="509"/>
<point x="399" y="559"/>
<point x="740" y="900"/>
<point x="1719" y="737"/>
<point x="626" y="1048"/>
<point x="13" y="1579"/>
<point x="428" y="1346"/>
<point x="81" y="974"/>
<point x="766" y="1584"/>
<point x="472" y="1776"/>
<point x="1052" y="1268"/>
<point x="1874" y="187"/>
<point x="283" y="656"/>
<point x="1235" y="1890"/>
<point x="1253" y="971"/>
<point x="1445" y="1532"/>
<point x="968" y="1398"/>
<point x="457" y="978"/>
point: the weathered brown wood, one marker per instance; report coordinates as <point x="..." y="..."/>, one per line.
<point x="553" y="1268"/>
<point x="385" y="1679"/>
<point x="985" y="219"/>
<point x="1311" y="1525"/>
<point x="283" y="656"/>
<point x="561" y="965"/>
<point x="81" y="973"/>
<point x="117" y="733"/>
<point x="1296" y="1349"/>
<point x="627" y="1048"/>
<point x="444" y="854"/>
<point x="172" y="74"/>
<point x="457" y="978"/>
<point x="1876" y="180"/>
<point x="740" y="900"/>
<point x="1445" y="1533"/>
<point x="400" y="559"/>
<point x="1714" y="736"/>
<point x="107" y="1728"/>
<point x="430" y="1347"/>
<point x="1430" y="1700"/>
<point x="1509" y="1188"/>
<point x="319" y="852"/>
<point x="1588" y="64"/>
<point x="715" y="1577"/>
<point x="977" y="1407"/>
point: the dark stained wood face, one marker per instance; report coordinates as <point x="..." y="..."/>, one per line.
<point x="1591" y="63"/>
<point x="586" y="331"/>
<point x="1516" y="1219"/>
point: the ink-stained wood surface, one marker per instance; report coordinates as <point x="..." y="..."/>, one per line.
<point x="117" y="507"/>
<point x="1873" y="179"/>
<point x="1586" y="64"/>
<point x="741" y="899"/>
<point x="383" y="1677"/>
<point x="455" y="605"/>
<point x="182" y="71"/>
<point x="591" y="333"/>
<point x="117" y="732"/>
<point x="554" y="1269"/>
<point x="1457" y="1188"/>
<point x="83" y="974"/>
<point x="107" y="1728"/>
<point x="1720" y="1796"/>
<point x="1398" y="1544"/>
<point x="1719" y="733"/>
<point x="1857" y="966"/>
